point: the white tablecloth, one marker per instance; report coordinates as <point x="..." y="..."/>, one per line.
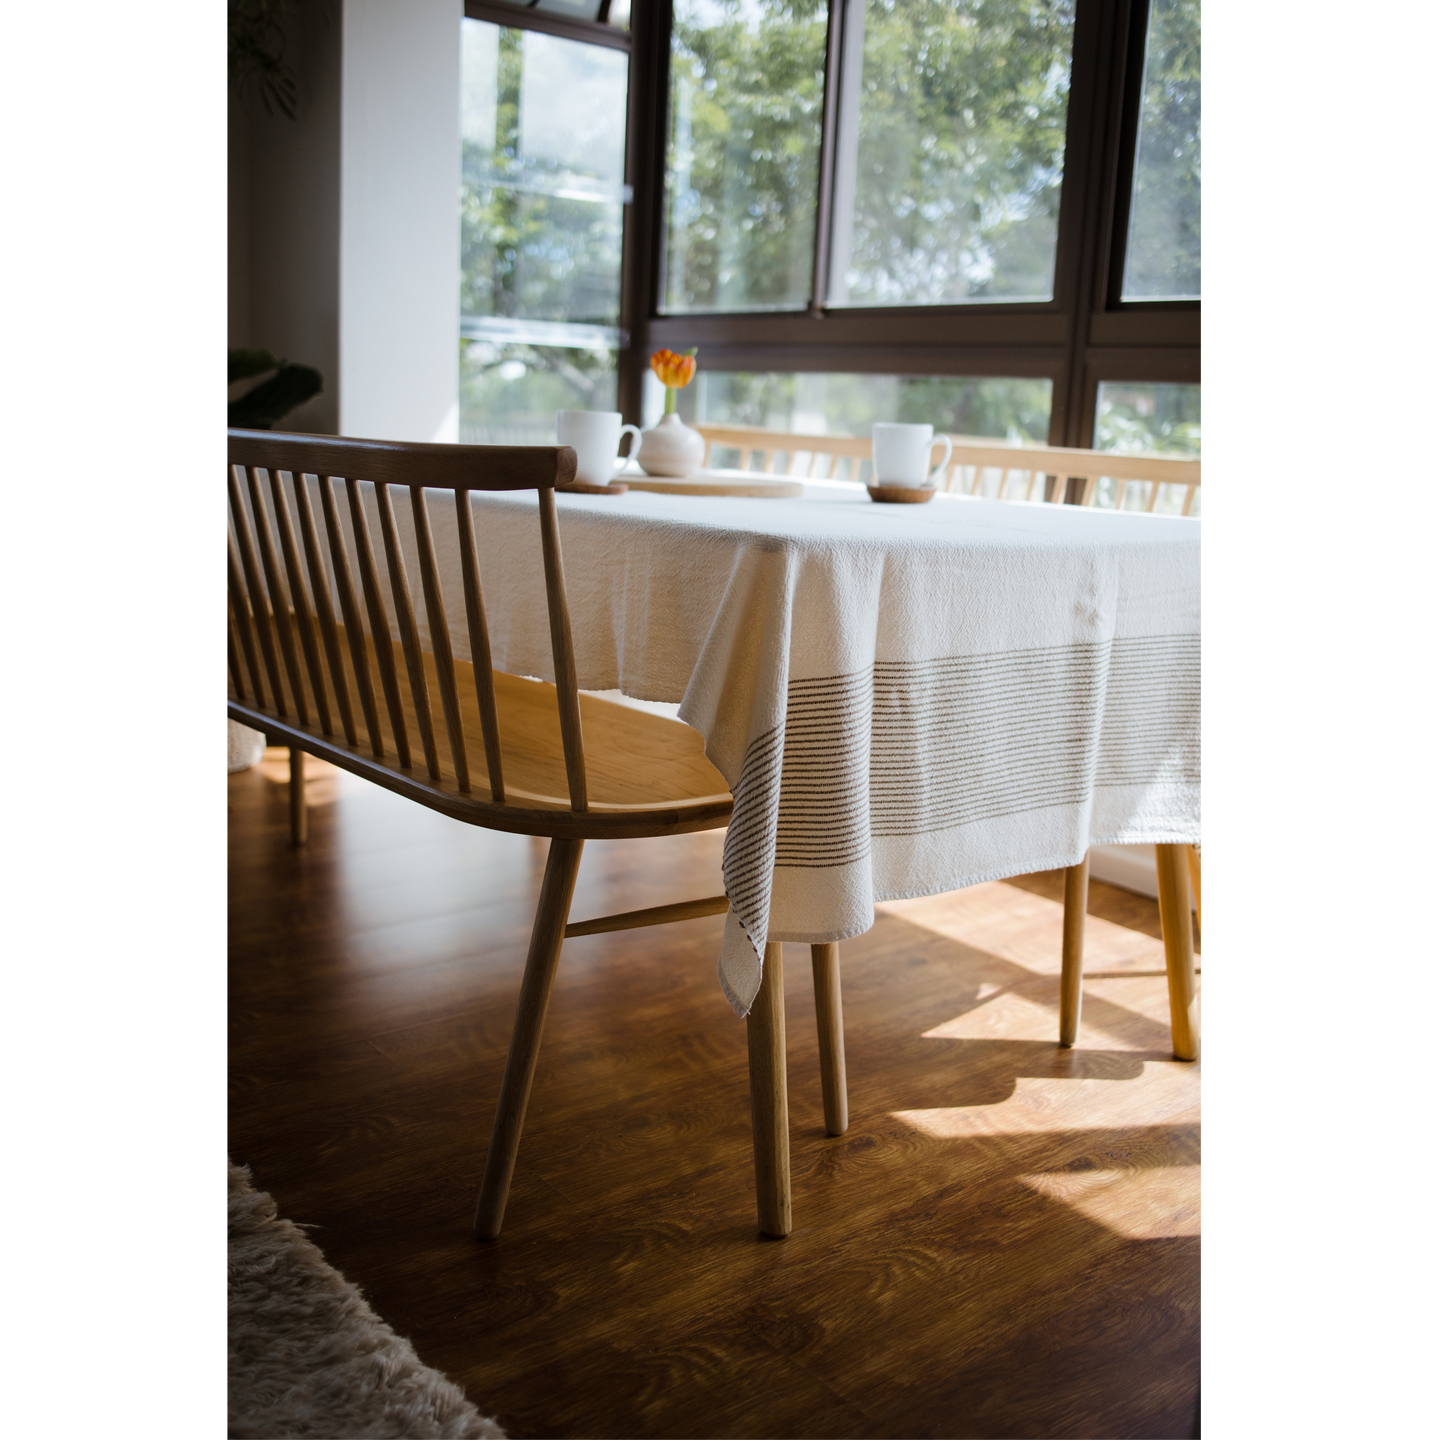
<point x="903" y="699"/>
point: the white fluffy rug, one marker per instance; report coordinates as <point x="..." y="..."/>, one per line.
<point x="309" y="1358"/>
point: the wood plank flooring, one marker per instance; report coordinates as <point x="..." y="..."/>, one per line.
<point x="1003" y="1246"/>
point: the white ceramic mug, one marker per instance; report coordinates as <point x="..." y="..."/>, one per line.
<point x="594" y="436"/>
<point x="902" y="451"/>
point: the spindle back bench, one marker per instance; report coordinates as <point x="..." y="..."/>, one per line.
<point x="322" y="657"/>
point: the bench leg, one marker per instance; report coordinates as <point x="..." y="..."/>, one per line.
<point x="1178" y="928"/>
<point x="558" y="880"/>
<point x="1071" y="978"/>
<point x="298" y="796"/>
<point x="768" y="1088"/>
<point x="828" y="1005"/>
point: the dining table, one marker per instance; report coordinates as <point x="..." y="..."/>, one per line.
<point x="903" y="699"/>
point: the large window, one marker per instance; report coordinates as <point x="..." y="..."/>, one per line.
<point x="1162" y="256"/>
<point x="950" y="151"/>
<point x="987" y="209"/>
<point x="742" y="159"/>
<point x="543" y="126"/>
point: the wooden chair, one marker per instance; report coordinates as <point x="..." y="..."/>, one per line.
<point x="980" y="466"/>
<point x="1122" y="483"/>
<point x="815" y="458"/>
<point x="313" y="661"/>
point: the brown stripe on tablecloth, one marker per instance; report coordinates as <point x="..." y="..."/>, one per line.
<point x="902" y="749"/>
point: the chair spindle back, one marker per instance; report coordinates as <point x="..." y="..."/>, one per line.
<point x="284" y="644"/>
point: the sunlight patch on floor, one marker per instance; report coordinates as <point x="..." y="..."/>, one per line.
<point x="1167" y="1089"/>
<point x="1161" y="1203"/>
<point x="1023" y="928"/>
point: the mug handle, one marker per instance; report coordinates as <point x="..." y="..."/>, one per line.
<point x="636" y="442"/>
<point x="936" y="479"/>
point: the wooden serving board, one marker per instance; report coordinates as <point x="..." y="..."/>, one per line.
<point x="714" y="482"/>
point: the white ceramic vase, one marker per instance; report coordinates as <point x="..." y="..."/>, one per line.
<point x="670" y="449"/>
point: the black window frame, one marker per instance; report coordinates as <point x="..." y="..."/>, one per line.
<point x="1084" y="336"/>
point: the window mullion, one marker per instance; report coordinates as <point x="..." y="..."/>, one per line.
<point x="832" y="159"/>
<point x="846" y="71"/>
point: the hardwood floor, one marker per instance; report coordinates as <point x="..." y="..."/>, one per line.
<point x="1003" y="1245"/>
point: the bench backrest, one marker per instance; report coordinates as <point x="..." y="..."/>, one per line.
<point x="285" y="643"/>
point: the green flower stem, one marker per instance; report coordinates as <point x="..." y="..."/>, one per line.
<point x="669" y="404"/>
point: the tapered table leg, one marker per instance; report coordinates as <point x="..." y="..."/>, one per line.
<point x="1174" y="918"/>
<point x="828" y="1005"/>
<point x="1197" y="882"/>
<point x="298" y="796"/>
<point x="558" y="881"/>
<point x="1071" y="977"/>
<point x="768" y="1086"/>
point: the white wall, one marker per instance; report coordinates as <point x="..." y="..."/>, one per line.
<point x="400" y="246"/>
<point x="1127" y="865"/>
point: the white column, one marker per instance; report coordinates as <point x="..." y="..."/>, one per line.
<point x="400" y="247"/>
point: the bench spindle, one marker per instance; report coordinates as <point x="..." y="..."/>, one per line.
<point x="441" y="638"/>
<point x="280" y="610"/>
<point x="481" y="646"/>
<point x="256" y="595"/>
<point x="305" y="617"/>
<point x="351" y="613"/>
<point x="233" y="658"/>
<point x="326" y="615"/>
<point x="406" y="625"/>
<point x="241" y="614"/>
<point x="563" y="664"/>
<point x="380" y="626"/>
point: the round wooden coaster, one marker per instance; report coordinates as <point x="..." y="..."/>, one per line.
<point x="890" y="493"/>
<point x="612" y="489"/>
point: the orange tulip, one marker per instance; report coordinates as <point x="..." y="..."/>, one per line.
<point x="671" y="369"/>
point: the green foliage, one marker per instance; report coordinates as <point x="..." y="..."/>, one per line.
<point x="747" y="98"/>
<point x="527" y="251"/>
<point x="512" y="394"/>
<point x="848" y="404"/>
<point x="1163" y="255"/>
<point x="256" y="52"/>
<point x="268" y="402"/>
<point x="960" y="150"/>
<point x="1161" y="417"/>
<point x="534" y="246"/>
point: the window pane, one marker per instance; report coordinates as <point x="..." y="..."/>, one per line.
<point x="1146" y="416"/>
<point x="511" y="392"/>
<point x="847" y="404"/>
<point x="742" y="160"/>
<point x="951" y="151"/>
<point x="1162" y="259"/>
<point x="543" y="125"/>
